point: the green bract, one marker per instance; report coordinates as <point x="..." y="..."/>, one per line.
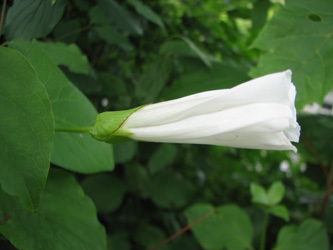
<point x="108" y="126"/>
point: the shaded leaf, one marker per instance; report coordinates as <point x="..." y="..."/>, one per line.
<point x="98" y="16"/>
<point x="119" y="240"/>
<point x="311" y="62"/>
<point x="200" y="54"/>
<point x="121" y="17"/>
<point x="67" y="31"/>
<point x="110" y="35"/>
<point x="163" y="156"/>
<point x="26" y="129"/>
<point x="310" y="235"/>
<point x="228" y="227"/>
<point x="124" y="152"/>
<point x="106" y="191"/>
<point x="147" y="12"/>
<point x="218" y="77"/>
<point x="320" y="138"/>
<point x="66" y="218"/>
<point x="149" y="236"/>
<point x="137" y="180"/>
<point x="170" y="191"/>
<point x="28" y="19"/>
<point x="259" y="13"/>
<point x="153" y="79"/>
<point x="77" y="152"/>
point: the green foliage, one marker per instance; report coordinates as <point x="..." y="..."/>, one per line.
<point x="28" y="19"/>
<point x="307" y="236"/>
<point x="228" y="227"/>
<point x="68" y="55"/>
<point x="26" y="129"/>
<point x="122" y="18"/>
<point x="270" y="199"/>
<point x="107" y="192"/>
<point x="219" y="76"/>
<point x="170" y="191"/>
<point x="67" y="61"/>
<point x="70" y="109"/>
<point x="162" y="157"/>
<point x="304" y="44"/>
<point x="66" y="218"/>
<point x="147" y="12"/>
<point x="324" y="125"/>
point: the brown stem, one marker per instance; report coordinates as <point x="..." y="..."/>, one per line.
<point x="74" y="31"/>
<point x="2" y="14"/>
<point x="184" y="229"/>
<point x="322" y="199"/>
<point x="328" y="191"/>
<point x="315" y="154"/>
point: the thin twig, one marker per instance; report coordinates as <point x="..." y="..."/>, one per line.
<point x="184" y="229"/>
<point x="315" y="154"/>
<point x="328" y="191"/>
<point x="2" y="15"/>
<point x="74" y="32"/>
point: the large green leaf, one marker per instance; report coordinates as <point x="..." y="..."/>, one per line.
<point x="68" y="55"/>
<point x="300" y="37"/>
<point x="310" y="235"/>
<point x="228" y="227"/>
<point x="218" y="77"/>
<point x="26" y="129"/>
<point x="28" y="19"/>
<point x="77" y="152"/>
<point x="66" y="219"/>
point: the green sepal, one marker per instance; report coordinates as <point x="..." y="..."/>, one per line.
<point x="108" y="126"/>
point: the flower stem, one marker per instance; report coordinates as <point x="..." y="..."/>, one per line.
<point x="74" y="130"/>
<point x="264" y="230"/>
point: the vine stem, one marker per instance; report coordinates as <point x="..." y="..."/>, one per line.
<point x="74" y="130"/>
<point x="264" y="230"/>
<point x="183" y="230"/>
<point x="2" y="14"/>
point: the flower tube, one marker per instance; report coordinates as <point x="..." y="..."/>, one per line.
<point x="258" y="114"/>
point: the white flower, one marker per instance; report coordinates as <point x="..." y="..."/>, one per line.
<point x="258" y="114"/>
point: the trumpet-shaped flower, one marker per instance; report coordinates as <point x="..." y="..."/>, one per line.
<point x="258" y="114"/>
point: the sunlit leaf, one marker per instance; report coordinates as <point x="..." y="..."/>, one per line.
<point x="26" y="129"/>
<point x="66" y="218"/>
<point x="299" y="37"/>
<point x="74" y="151"/>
